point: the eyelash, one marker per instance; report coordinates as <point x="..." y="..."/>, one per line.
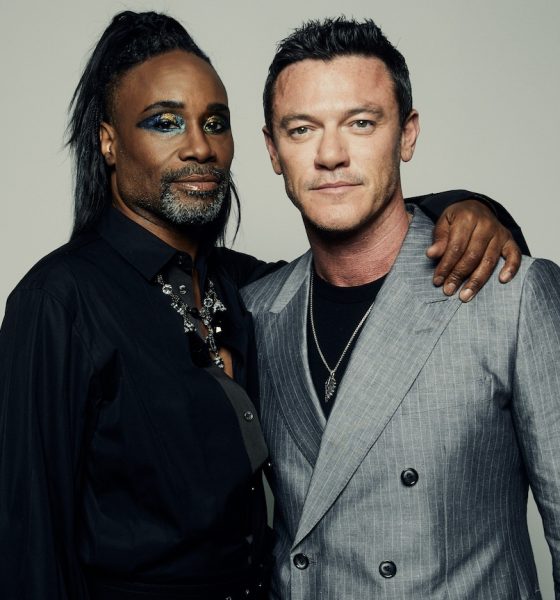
<point x="172" y="124"/>
<point x="221" y="121"/>
<point x="367" y="122"/>
<point x="296" y="131"/>
<point x="168" y="123"/>
<point x="303" y="129"/>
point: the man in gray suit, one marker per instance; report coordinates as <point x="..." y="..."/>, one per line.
<point x="404" y="426"/>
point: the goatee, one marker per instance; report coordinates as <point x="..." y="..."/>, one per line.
<point x="194" y="207"/>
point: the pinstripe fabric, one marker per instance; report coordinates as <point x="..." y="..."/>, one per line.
<point x="466" y="394"/>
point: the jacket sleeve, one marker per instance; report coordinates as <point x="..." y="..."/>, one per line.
<point x="536" y="397"/>
<point x="434" y="205"/>
<point x="44" y="374"/>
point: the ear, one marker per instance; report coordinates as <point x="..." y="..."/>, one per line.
<point x="409" y="135"/>
<point x="272" y="151"/>
<point x="107" y="137"/>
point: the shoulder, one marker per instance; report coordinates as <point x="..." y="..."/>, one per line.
<point x="541" y="281"/>
<point x="532" y="297"/>
<point x="541" y="271"/>
<point x="261" y="294"/>
<point x="60" y="272"/>
<point x="536" y="276"/>
<point x="242" y="268"/>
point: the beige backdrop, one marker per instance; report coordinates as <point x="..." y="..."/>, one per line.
<point x="485" y="80"/>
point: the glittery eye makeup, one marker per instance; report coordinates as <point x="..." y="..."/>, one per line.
<point x="216" y="124"/>
<point x="168" y="123"/>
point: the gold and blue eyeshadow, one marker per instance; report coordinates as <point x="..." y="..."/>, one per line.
<point x="174" y="124"/>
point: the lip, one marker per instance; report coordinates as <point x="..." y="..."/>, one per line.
<point x="198" y="182"/>
<point x="335" y="186"/>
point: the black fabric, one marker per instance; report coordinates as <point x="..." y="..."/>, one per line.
<point x="252" y="584"/>
<point x="336" y="313"/>
<point x="117" y="454"/>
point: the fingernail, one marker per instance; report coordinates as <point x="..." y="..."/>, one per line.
<point x="449" y="288"/>
<point x="438" y="281"/>
<point x="505" y="277"/>
<point x="466" y="295"/>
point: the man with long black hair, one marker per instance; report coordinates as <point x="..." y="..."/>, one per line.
<point x="131" y="452"/>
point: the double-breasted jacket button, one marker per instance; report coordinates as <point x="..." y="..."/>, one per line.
<point x="301" y="561"/>
<point x="409" y="477"/>
<point x="388" y="569"/>
<point x="248" y="416"/>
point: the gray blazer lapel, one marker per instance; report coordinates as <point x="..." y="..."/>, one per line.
<point x="405" y="324"/>
<point x="288" y="365"/>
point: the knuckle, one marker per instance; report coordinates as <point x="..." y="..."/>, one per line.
<point x="489" y="260"/>
<point x="444" y="266"/>
<point x="456" y="276"/>
<point x="475" y="283"/>
<point x="473" y="255"/>
<point x="455" y="249"/>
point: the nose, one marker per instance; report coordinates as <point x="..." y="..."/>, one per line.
<point x="195" y="146"/>
<point x="331" y="152"/>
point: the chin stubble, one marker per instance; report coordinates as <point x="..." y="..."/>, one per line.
<point x="193" y="207"/>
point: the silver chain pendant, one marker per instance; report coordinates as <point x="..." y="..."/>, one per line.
<point x="330" y="387"/>
<point x="331" y="383"/>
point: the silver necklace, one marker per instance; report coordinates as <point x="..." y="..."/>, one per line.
<point x="331" y="383"/>
<point x="211" y="304"/>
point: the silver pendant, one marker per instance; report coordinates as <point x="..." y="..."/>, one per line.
<point x="330" y="387"/>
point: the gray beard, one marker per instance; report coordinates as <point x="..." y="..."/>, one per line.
<point x="193" y="208"/>
<point x="198" y="209"/>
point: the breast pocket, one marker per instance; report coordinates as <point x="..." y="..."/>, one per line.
<point x="449" y="393"/>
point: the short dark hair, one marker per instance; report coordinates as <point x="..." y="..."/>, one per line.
<point x="330" y="38"/>
<point x="130" y="39"/>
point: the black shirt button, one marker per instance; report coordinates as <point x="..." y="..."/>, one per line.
<point x="409" y="477"/>
<point x="248" y="416"/>
<point x="301" y="561"/>
<point x="388" y="569"/>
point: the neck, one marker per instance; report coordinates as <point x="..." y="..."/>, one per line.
<point x="174" y="237"/>
<point x="364" y="256"/>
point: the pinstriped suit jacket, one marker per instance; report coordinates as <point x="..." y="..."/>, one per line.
<point x="466" y="394"/>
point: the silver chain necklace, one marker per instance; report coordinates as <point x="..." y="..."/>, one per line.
<point x="211" y="304"/>
<point x="331" y="383"/>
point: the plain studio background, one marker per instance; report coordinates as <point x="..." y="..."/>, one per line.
<point x="485" y="79"/>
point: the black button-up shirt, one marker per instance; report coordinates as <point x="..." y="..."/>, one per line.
<point x="117" y="455"/>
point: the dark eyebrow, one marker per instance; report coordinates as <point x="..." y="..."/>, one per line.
<point x="287" y="119"/>
<point x="164" y="104"/>
<point x="174" y="104"/>
<point x="367" y="108"/>
<point x="218" y="107"/>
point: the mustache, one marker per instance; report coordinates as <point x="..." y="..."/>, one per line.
<point x="222" y="175"/>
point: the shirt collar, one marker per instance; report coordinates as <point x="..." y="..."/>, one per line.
<point x="147" y="253"/>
